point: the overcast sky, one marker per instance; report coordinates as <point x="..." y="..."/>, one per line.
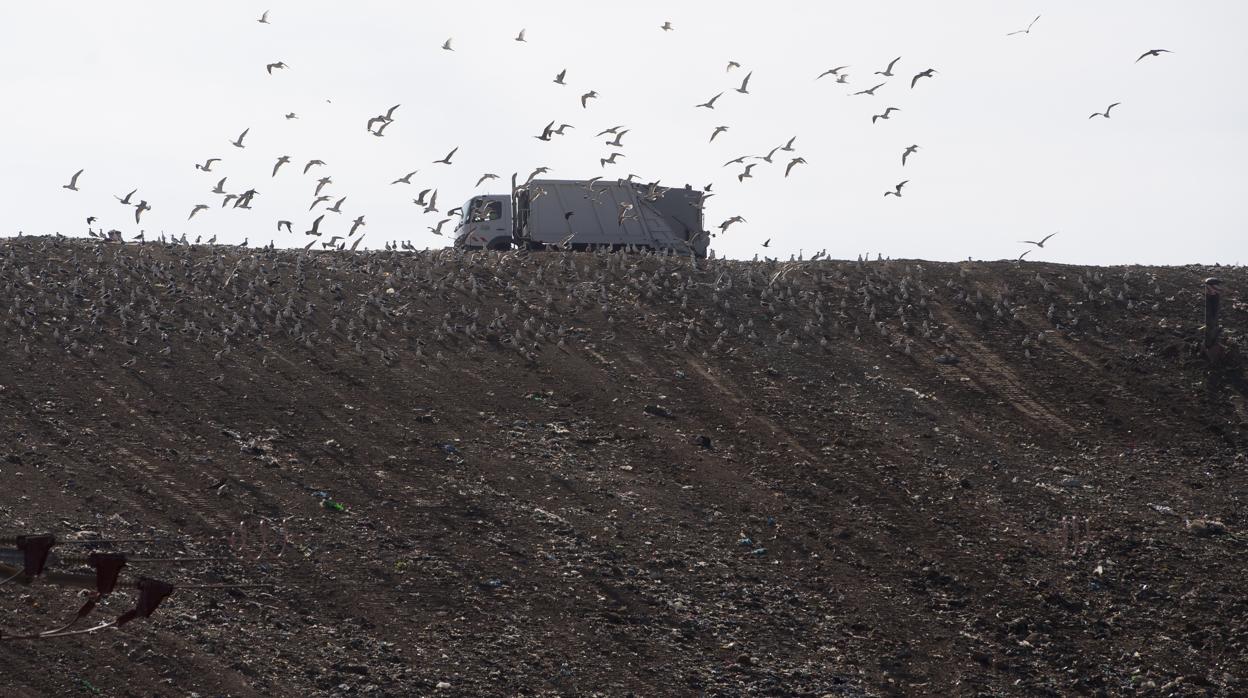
<point x="138" y="92"/>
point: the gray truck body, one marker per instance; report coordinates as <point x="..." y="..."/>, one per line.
<point x="559" y="212"/>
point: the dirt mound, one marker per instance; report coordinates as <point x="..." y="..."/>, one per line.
<point x="579" y="474"/>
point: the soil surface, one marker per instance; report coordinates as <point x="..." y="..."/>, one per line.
<point x="507" y="474"/>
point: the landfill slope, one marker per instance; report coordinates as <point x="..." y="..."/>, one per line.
<point x="577" y="474"/>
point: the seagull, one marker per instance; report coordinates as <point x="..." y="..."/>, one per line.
<point x="560" y="131"/>
<point x="320" y="184"/>
<point x="788" y="147"/>
<point x="736" y="161"/>
<point x="710" y="103"/>
<point x="832" y="71"/>
<point x="280" y="161"/>
<point x="437" y="230"/>
<point x="625" y="209"/>
<point x="420" y="198"/>
<point x="275" y="66"/>
<point x="197" y="209"/>
<point x="285" y="224"/>
<point x="616" y="143"/>
<point x="907" y="153"/>
<point x="520" y="36"/>
<point x="731" y="65"/>
<point x="870" y="91"/>
<point x="718" y="130"/>
<point x="723" y="227"/>
<point x="292" y="115"/>
<point x="766" y="158"/>
<point x="447" y="45"/>
<point x="667" y="26"/>
<point x="546" y="132"/>
<point x="405" y="179"/>
<point x="794" y="161"/>
<point x="239" y="143"/>
<point x="896" y="190"/>
<point x="1028" y="29"/>
<point x="1106" y="112"/>
<point x="219" y="189"/>
<point x="139" y="209"/>
<point x="767" y="242"/>
<point x="337" y="207"/>
<point x="925" y="74"/>
<point x="264" y="18"/>
<point x="381" y="128"/>
<point x="1155" y="53"/>
<point x="885" y="115"/>
<point x="311" y="164"/>
<point x="446" y="160"/>
<point x="888" y="72"/>
<point x="486" y="176"/>
<point x="355" y="225"/>
<point x="741" y="177"/>
<point x="316" y="226"/>
<point x="560" y="76"/>
<point x="603" y="162"/>
<point x="745" y="83"/>
<point x="318" y="200"/>
<point x="207" y="166"/>
<point x="1024" y="254"/>
<point x="592" y="94"/>
<point x="126" y="199"/>
<point x="613" y="129"/>
<point x="73" y="181"/>
<point x="1041" y="242"/>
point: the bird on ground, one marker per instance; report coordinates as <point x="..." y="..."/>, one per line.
<point x="886" y="115"/>
<point x="286" y="225"/>
<point x="832" y="71"/>
<point x="667" y="26"/>
<point x="337" y="207"/>
<point x="788" y="147"/>
<point x="870" y="91"/>
<point x="447" y="160"/>
<point x="316" y="226"/>
<point x="207" y="166"/>
<point x="896" y="190"/>
<point x="745" y="83"/>
<point x="1154" y="53"/>
<point x="243" y="243"/>
<point x="220" y="188"/>
<point x="405" y="179"/>
<point x="311" y="164"/>
<point x="603" y="162"/>
<point x="560" y="76"/>
<point x="930" y="72"/>
<point x="239" y="143"/>
<point x="741" y="177"/>
<point x="139" y="209"/>
<point x="718" y="130"/>
<point x="196" y="209"/>
<point x="126" y="199"/>
<point x="592" y="94"/>
<point x="280" y="161"/>
<point x="1039" y="243"/>
<point x="212" y="240"/>
<point x="264" y="18"/>
<point x="437" y="230"/>
<point x="617" y="142"/>
<point x="792" y="163"/>
<point x="73" y="181"/>
<point x="1106" y="112"/>
<point x="907" y="153"/>
<point x="520" y="36"/>
<point x="486" y="176"/>
<point x="1028" y="29"/>
<point x="275" y="66"/>
<point x="888" y="72"/>
<point x="447" y="46"/>
<point x="355" y="225"/>
<point x="710" y="103"/>
<point x="731" y="65"/>
<point x="321" y="183"/>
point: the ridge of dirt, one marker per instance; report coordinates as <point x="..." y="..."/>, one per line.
<point x="591" y="474"/>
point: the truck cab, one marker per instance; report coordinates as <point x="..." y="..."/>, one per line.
<point x="485" y="223"/>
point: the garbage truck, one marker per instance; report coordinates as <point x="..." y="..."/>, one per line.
<point x="585" y="214"/>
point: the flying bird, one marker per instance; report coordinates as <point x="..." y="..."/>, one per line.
<point x="545" y="136"/>
<point x="126" y="199"/>
<point x="280" y="161"/>
<point x="239" y="143"/>
<point x="718" y="130"/>
<point x="520" y="36"/>
<point x="667" y="26"/>
<point x="788" y="147"/>
<point x="885" y="115"/>
<point x="745" y="83"/>
<point x="197" y="209"/>
<point x="1041" y="241"/>
<point x="731" y="65"/>
<point x="613" y="129"/>
<point x="741" y="177"/>
<point x="896" y="190"/>
<point x="264" y="18"/>
<point x="284" y="224"/>
<point x="486" y="176"/>
<point x="710" y="103"/>
<point x="925" y="74"/>
<point x="311" y="164"/>
<point x="292" y="115"/>
<point x="592" y="94"/>
<point x="767" y="242"/>
<point x="275" y="66"/>
<point x="207" y="166"/>
<point x="907" y="153"/>
<point x="870" y="91"/>
<point x="139" y="209"/>
<point x="617" y="143"/>
<point x="560" y="76"/>
<point x="447" y="160"/>
<point x="888" y="72"/>
<point x="1024" y="254"/>
<point x="447" y="45"/>
<point x="220" y="188"/>
<point x="316" y="226"/>
<point x="1106" y="112"/>
<point x="73" y="181"/>
<point x="437" y="230"/>
<point x="1028" y="29"/>
<point x="355" y="225"/>
<point x="381" y="128"/>
<point x="318" y="200"/>
<point x="794" y="161"/>
<point x="603" y="162"/>
<point x="320" y="184"/>
<point x="832" y="71"/>
<point x="405" y="179"/>
<point x="1154" y="53"/>
<point x="337" y="207"/>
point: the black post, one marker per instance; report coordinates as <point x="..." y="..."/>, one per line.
<point x="1213" y="301"/>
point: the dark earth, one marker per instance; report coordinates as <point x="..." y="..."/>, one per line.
<point x="579" y="474"/>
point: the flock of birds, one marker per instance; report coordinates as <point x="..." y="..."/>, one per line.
<point x="426" y="200"/>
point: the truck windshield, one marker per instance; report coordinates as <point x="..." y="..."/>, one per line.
<point x="485" y="210"/>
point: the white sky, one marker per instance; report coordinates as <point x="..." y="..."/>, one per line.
<point x="137" y="92"/>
